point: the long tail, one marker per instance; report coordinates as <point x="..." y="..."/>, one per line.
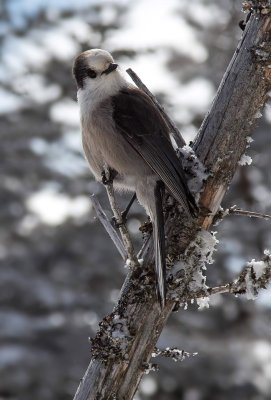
<point x="159" y="244"/>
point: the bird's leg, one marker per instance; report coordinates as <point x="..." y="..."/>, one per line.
<point x="124" y="213"/>
<point x="127" y="209"/>
<point x="133" y="261"/>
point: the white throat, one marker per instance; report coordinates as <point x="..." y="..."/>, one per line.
<point x="94" y="92"/>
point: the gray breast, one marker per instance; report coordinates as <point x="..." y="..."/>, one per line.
<point x="104" y="144"/>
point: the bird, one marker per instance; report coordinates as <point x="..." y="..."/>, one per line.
<point x="123" y="130"/>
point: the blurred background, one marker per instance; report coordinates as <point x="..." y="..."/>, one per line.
<point x="59" y="272"/>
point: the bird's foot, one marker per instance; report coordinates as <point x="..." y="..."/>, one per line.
<point x="146" y="227"/>
<point x="118" y="223"/>
<point x="124" y="214"/>
<point x="108" y="176"/>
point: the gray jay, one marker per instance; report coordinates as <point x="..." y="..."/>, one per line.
<point x="123" y="130"/>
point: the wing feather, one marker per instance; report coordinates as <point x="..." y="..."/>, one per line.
<point x="145" y="130"/>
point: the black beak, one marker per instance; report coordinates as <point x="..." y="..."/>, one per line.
<point x="111" y="68"/>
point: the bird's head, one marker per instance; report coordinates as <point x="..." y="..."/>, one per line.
<point x="93" y="68"/>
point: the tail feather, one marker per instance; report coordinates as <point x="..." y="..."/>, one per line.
<point x="159" y="244"/>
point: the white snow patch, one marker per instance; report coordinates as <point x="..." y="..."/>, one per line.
<point x="150" y="367"/>
<point x="250" y="287"/>
<point x="128" y="263"/>
<point x="204" y="247"/>
<point x="203" y="303"/>
<point x="245" y="160"/>
<point x="257" y="115"/>
<point x="206" y="242"/>
<point x="174" y="353"/>
<point x="195" y="169"/>
<point x="197" y="255"/>
<point x="224" y="212"/>
<point x="249" y="139"/>
<point x="254" y="272"/>
<point x="258" y="267"/>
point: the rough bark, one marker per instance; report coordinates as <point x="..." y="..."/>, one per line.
<point x="127" y="337"/>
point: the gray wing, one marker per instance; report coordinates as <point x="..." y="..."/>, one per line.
<point x="145" y="130"/>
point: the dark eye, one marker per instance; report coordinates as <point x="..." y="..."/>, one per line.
<point x="92" y="74"/>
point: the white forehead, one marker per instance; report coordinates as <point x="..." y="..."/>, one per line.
<point x="98" y="59"/>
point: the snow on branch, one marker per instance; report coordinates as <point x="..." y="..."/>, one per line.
<point x="256" y="275"/>
<point x="257" y="6"/>
<point x="221" y="214"/>
<point x="191" y="268"/>
<point x="173" y="353"/>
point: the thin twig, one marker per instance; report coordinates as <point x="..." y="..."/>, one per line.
<point x="144" y="247"/>
<point x="119" y="221"/>
<point x="108" y="227"/>
<point x="221" y="214"/>
<point x="171" y="125"/>
<point x="245" y="213"/>
<point x="246" y="278"/>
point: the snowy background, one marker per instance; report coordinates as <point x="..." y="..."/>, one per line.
<point x="56" y="279"/>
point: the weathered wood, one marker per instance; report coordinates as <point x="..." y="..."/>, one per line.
<point x="117" y="360"/>
<point x="242" y="93"/>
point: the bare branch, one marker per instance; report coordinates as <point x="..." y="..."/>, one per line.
<point x="245" y="213"/>
<point x="221" y="214"/>
<point x="108" y="227"/>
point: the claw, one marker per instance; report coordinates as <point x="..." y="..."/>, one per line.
<point x="107" y="180"/>
<point x="116" y="223"/>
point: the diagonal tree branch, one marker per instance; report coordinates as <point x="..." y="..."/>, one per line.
<point x="127" y="337"/>
<point x="246" y="213"/>
<point x="108" y="227"/>
<point x="221" y="214"/>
